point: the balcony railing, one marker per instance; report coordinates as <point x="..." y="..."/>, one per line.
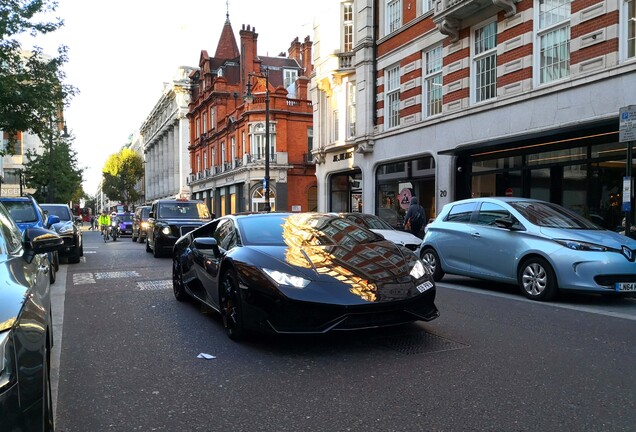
<point x="253" y="159"/>
<point x="345" y="60"/>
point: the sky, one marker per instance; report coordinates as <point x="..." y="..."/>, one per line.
<point x="121" y="53"/>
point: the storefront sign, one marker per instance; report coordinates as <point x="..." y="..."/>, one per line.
<point x="342" y="156"/>
<point x="405" y="198"/>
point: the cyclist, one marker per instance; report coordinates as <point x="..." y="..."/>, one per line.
<point x="104" y="222"/>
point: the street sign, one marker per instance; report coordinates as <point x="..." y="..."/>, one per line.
<point x="627" y="124"/>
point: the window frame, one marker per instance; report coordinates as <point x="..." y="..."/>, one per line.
<point x="477" y="57"/>
<point x="347" y="27"/>
<point x="543" y="31"/>
<point x="392" y="97"/>
<point x="625" y="21"/>
<point x="428" y="75"/>
<point x="393" y="15"/>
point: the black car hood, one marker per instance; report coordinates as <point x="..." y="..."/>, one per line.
<point x="347" y="274"/>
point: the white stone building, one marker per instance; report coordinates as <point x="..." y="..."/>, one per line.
<point x="166" y="136"/>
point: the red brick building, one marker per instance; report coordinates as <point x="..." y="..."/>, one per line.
<point x="227" y="134"/>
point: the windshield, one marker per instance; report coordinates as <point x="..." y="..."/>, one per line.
<point x="552" y="216"/>
<point x="63" y="212"/>
<point x="369" y="221"/>
<point x="312" y="229"/>
<point x="125" y="217"/>
<point x="21" y="211"/>
<point x="183" y="210"/>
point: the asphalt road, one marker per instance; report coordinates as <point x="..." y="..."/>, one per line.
<point x="493" y="361"/>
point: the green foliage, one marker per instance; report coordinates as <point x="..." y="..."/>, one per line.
<point x="122" y="172"/>
<point x="55" y="176"/>
<point x="31" y="84"/>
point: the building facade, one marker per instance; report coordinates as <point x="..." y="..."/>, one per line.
<point x="483" y="98"/>
<point x="228" y="134"/>
<point x="165" y="135"/>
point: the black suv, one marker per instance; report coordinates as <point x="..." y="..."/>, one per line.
<point x="68" y="229"/>
<point x="140" y="223"/>
<point x="169" y="219"/>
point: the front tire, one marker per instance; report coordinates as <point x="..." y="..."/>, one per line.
<point x="178" y="287"/>
<point x="431" y="259"/>
<point x="155" y="250"/>
<point x="230" y="306"/>
<point x="52" y="272"/>
<point x="537" y="280"/>
<point x="74" y="258"/>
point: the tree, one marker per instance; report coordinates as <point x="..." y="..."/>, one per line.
<point x="55" y="176"/>
<point x="32" y="92"/>
<point x="122" y="172"/>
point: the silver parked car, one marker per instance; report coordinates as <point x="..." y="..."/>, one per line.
<point x="540" y="246"/>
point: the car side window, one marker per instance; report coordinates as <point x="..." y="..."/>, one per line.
<point x="10" y="232"/>
<point x="224" y="233"/>
<point x="490" y="212"/>
<point x="461" y="212"/>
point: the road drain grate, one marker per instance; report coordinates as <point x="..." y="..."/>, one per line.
<point x="419" y="343"/>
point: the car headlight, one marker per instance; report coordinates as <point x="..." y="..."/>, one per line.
<point x="166" y="230"/>
<point x="581" y="246"/>
<point x="419" y="270"/>
<point x="286" y="279"/>
<point x="144" y="224"/>
<point x="66" y="229"/>
<point x="7" y="361"/>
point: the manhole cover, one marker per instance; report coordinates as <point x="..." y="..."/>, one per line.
<point x="419" y="343"/>
<point x="154" y="285"/>
<point x="116" y="275"/>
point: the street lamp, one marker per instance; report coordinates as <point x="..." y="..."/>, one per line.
<point x="249" y="98"/>
<point x="51" y="189"/>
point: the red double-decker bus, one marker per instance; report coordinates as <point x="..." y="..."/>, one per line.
<point x="84" y="212"/>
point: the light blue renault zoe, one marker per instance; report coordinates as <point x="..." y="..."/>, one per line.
<point x="538" y="245"/>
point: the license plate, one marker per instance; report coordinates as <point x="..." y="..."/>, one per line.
<point x="626" y="286"/>
<point x="424" y="286"/>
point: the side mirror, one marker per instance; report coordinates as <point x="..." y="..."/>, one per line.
<point x="206" y="244"/>
<point x="41" y="240"/>
<point x="506" y="223"/>
<point x="151" y="214"/>
<point x="52" y="219"/>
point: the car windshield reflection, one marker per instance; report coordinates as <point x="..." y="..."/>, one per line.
<point x="552" y="216"/>
<point x="303" y="230"/>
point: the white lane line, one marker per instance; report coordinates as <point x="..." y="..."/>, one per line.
<point x="628" y="316"/>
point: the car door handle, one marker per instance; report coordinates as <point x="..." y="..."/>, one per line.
<point x="476" y="235"/>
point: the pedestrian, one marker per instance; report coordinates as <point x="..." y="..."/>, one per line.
<point x="415" y="218"/>
<point x="92" y="227"/>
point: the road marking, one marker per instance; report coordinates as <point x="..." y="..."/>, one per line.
<point x="83" y="278"/>
<point x="628" y="316"/>
<point x="155" y="285"/>
<point x="116" y="275"/>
